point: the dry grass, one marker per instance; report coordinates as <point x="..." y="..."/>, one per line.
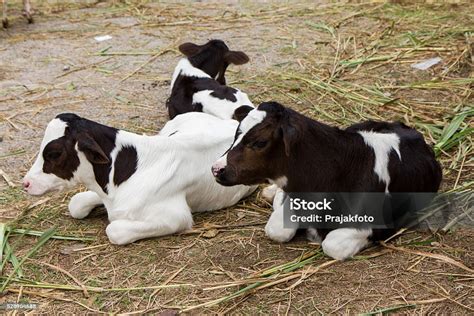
<point x="339" y="63"/>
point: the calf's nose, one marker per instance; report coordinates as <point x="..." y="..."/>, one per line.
<point x="217" y="170"/>
<point x="26" y="184"/>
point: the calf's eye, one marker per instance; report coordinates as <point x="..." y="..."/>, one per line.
<point x="259" y="144"/>
<point x="52" y="155"/>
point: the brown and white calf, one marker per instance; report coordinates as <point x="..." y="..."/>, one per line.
<point x="198" y="83"/>
<point x="278" y="145"/>
<point x="149" y="185"/>
<point x="27" y="12"/>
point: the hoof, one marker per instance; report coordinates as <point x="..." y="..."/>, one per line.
<point x="28" y="17"/>
<point x="5" y="23"/>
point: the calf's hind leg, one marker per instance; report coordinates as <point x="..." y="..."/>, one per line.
<point x="124" y="231"/>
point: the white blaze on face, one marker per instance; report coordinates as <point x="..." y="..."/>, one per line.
<point x="253" y="118"/>
<point x="36" y="181"/>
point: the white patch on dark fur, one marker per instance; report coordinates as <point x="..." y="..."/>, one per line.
<point x="253" y="118"/>
<point x="382" y="144"/>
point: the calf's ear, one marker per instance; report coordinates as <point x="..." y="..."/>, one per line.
<point x="91" y="149"/>
<point x="236" y="57"/>
<point x="241" y="112"/>
<point x="290" y="136"/>
<point x="189" y="49"/>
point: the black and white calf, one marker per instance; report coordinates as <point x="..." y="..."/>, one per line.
<point x="298" y="154"/>
<point x="198" y="83"/>
<point x="148" y="184"/>
<point x="27" y="12"/>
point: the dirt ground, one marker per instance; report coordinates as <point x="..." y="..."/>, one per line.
<point x="338" y="63"/>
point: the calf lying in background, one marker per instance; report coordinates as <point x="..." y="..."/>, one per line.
<point x="27" y="12"/>
<point x="148" y="184"/>
<point x="198" y="83"/>
<point x="276" y="144"/>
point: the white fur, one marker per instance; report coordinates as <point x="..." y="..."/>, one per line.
<point x="343" y="243"/>
<point x="83" y="203"/>
<point x="268" y="193"/>
<point x="382" y="144"/>
<point x="173" y="179"/>
<point x="253" y="118"/>
<point x="274" y="228"/>
<point x="43" y="182"/>
<point x="279" y="182"/>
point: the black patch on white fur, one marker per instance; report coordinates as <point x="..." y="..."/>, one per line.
<point x="125" y="164"/>
<point x="225" y="94"/>
<point x="197" y="107"/>
<point x="60" y="158"/>
<point x="104" y="136"/>
<point x="241" y="112"/>
<point x="181" y="99"/>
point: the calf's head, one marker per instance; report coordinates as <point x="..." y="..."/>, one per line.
<point x="213" y="57"/>
<point x="261" y="147"/>
<point x="65" y="157"/>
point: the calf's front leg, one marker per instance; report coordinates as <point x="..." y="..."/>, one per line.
<point x="343" y="243"/>
<point x="268" y="193"/>
<point x="161" y="223"/>
<point x="274" y="228"/>
<point x="83" y="203"/>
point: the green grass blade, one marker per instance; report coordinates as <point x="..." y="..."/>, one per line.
<point x="453" y="133"/>
<point x="322" y="27"/>
<point x="3" y="240"/>
<point x="9" y="255"/>
<point x="457" y="138"/>
<point x="41" y="241"/>
<point x="450" y="129"/>
<point x="39" y="233"/>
